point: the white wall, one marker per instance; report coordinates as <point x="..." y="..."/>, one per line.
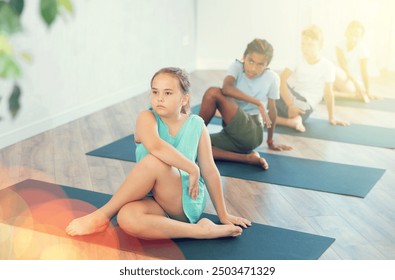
<point x="224" y="27"/>
<point x="104" y="54"/>
<point x="108" y="50"/>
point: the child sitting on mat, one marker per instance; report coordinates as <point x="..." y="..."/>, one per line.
<point x="248" y="89"/>
<point x="352" y="79"/>
<point x="164" y="194"/>
<point x="305" y="83"/>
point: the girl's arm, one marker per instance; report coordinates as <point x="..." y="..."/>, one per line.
<point x="229" y="89"/>
<point x="147" y="133"/>
<point x="212" y="178"/>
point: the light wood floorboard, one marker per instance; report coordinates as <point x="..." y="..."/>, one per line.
<point x="363" y="228"/>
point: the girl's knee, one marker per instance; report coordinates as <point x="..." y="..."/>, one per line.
<point x="128" y="220"/>
<point x="152" y="162"/>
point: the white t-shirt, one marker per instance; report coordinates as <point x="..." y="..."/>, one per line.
<point x="309" y="79"/>
<point x="262" y="87"/>
<point x="353" y="58"/>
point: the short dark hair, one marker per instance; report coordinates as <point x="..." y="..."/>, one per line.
<point x="260" y="46"/>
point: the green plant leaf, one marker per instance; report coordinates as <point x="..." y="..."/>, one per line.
<point x="9" y="68"/>
<point x="66" y="4"/>
<point x="26" y="56"/>
<point x="48" y="11"/>
<point x="5" y="46"/>
<point x="17" y="5"/>
<point x="9" y="20"/>
<point x="13" y="102"/>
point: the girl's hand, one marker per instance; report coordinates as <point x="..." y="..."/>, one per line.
<point x="230" y="219"/>
<point x="265" y="116"/>
<point x="194" y="176"/>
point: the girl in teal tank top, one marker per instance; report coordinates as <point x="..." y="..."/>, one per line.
<point x="175" y="165"/>
<point x="186" y="141"/>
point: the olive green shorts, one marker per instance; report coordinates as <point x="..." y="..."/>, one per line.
<point x="243" y="134"/>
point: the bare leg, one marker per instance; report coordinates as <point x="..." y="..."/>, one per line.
<point x="214" y="99"/>
<point x="146" y="219"/>
<point x="296" y="123"/>
<point x="253" y="158"/>
<point x="138" y="183"/>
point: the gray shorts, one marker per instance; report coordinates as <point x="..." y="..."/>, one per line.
<point x="243" y="134"/>
<point x="300" y="102"/>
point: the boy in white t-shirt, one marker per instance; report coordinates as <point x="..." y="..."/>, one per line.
<point x="303" y="85"/>
<point x="352" y="79"/>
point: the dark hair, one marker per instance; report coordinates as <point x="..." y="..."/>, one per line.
<point x="183" y="78"/>
<point x="260" y="46"/>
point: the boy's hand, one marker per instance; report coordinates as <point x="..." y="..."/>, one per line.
<point x="338" y="122"/>
<point x="294" y="111"/>
<point x="373" y="97"/>
<point x="265" y="116"/>
<point x="280" y="147"/>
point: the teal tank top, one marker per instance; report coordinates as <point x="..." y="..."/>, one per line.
<point x="186" y="142"/>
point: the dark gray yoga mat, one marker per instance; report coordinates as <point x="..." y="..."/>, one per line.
<point x="258" y="242"/>
<point x="360" y="134"/>
<point x="384" y="104"/>
<point x="365" y="135"/>
<point x="284" y="170"/>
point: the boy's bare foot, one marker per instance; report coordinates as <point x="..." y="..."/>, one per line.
<point x="211" y="230"/>
<point x="92" y="223"/>
<point x="297" y="123"/>
<point x="256" y="159"/>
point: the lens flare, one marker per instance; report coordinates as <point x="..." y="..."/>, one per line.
<point x="37" y="214"/>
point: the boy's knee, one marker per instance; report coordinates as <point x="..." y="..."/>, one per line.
<point x="213" y="93"/>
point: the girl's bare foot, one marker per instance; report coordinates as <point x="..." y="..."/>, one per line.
<point x="88" y="224"/>
<point x="256" y="159"/>
<point x="211" y="230"/>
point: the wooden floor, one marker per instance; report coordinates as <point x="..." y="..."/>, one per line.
<point x="363" y="228"/>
